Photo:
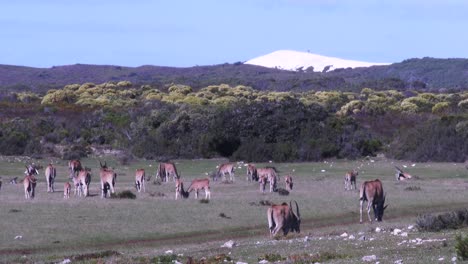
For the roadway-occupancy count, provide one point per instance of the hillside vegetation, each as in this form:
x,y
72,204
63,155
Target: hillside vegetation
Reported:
x,y
238,122
427,74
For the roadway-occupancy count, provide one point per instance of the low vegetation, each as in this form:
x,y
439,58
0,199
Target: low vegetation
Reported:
x,y
437,222
237,122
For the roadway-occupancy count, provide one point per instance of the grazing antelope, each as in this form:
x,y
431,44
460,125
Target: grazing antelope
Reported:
x,y
289,182
165,170
265,175
140,180
180,189
372,192
50,173
29,183
400,175
74,166
14,180
107,176
252,173
199,184
282,217
350,179
226,168
66,190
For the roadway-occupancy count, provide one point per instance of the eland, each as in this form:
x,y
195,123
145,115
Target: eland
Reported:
x,y
282,217
372,192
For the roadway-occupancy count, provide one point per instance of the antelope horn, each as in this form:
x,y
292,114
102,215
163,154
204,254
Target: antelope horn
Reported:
x,y
100,163
297,209
398,169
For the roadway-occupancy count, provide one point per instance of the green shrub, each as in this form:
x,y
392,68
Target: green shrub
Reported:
x,y
461,247
450,220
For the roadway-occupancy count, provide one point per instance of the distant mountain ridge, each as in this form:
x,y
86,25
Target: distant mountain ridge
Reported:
x,y
426,74
294,60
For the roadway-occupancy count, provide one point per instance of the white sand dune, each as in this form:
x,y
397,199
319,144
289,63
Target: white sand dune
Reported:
x,y
293,60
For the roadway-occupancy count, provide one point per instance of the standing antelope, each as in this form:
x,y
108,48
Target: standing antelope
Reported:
x,y
82,181
165,170
289,182
107,176
350,179
140,179
50,173
226,168
74,166
31,169
282,217
372,192
66,190
252,173
29,183
265,175
180,189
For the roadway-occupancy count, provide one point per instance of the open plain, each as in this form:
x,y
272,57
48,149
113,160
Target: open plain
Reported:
x,y
232,226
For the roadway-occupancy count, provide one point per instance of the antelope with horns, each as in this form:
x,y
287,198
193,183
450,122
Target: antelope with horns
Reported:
x,y
74,166
372,192
165,170
226,168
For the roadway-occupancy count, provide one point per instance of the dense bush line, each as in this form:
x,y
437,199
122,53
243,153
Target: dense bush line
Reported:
x,y
241,123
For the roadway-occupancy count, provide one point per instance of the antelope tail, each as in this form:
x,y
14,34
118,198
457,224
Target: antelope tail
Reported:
x,y
362,193
271,222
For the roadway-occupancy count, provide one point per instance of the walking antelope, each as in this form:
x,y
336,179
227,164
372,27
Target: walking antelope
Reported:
x,y
400,175
107,176
140,180
74,166
81,182
66,190
226,168
165,170
50,173
282,217
29,183
252,173
265,175
196,185
289,182
350,179
372,192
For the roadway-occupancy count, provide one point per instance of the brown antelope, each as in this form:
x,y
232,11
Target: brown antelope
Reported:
x,y
252,173
289,182
400,175
372,192
82,181
180,189
50,173
265,175
74,166
282,217
197,185
29,183
165,170
350,179
107,176
66,190
140,180
226,168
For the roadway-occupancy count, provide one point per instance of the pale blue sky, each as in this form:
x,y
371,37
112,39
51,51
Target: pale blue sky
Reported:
x,y
183,33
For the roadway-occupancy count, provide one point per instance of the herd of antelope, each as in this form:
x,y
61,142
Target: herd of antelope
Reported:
x,y
280,217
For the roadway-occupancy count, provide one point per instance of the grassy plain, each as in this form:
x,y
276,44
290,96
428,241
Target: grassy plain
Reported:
x,y
156,228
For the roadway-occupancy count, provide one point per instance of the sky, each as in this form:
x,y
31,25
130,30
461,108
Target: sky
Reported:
x,y
185,33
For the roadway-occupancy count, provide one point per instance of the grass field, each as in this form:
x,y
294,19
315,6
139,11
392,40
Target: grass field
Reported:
x,y
155,227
